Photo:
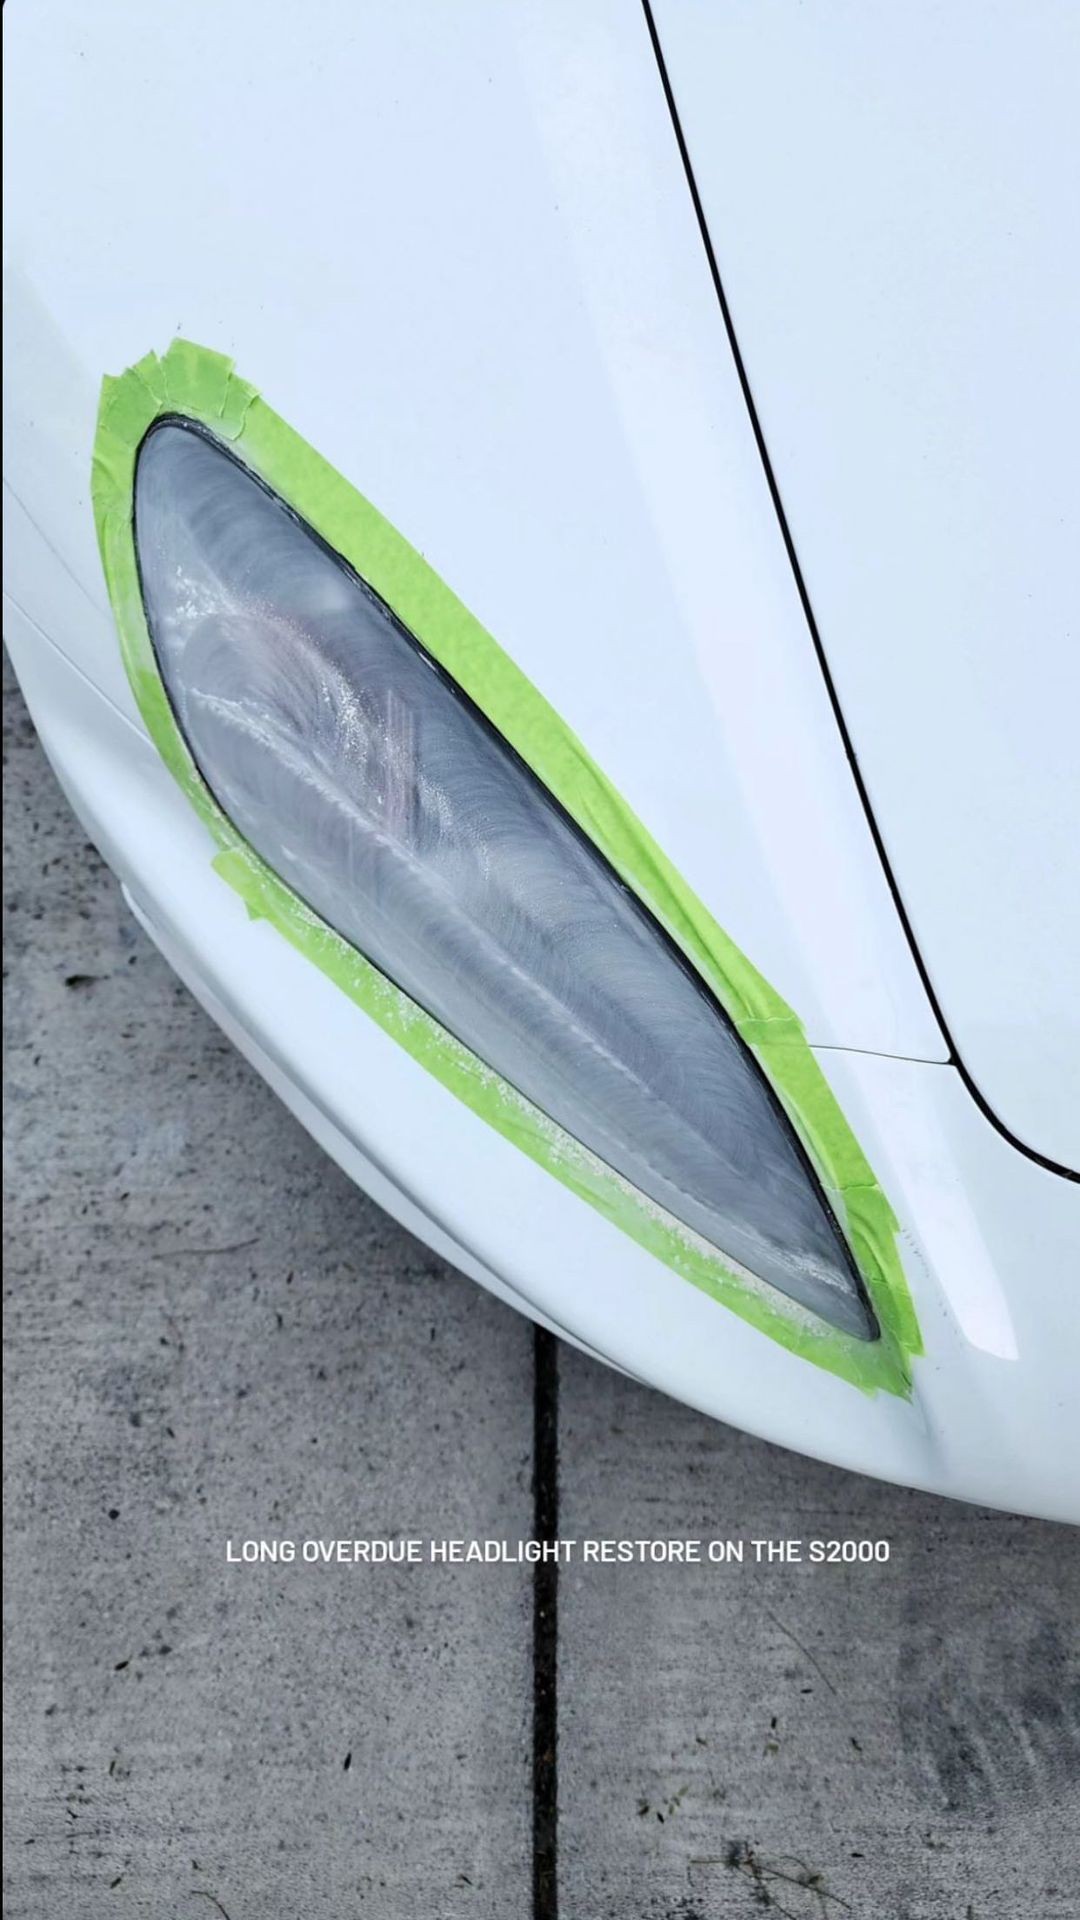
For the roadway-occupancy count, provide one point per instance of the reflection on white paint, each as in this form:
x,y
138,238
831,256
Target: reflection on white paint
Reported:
x,y
964,1271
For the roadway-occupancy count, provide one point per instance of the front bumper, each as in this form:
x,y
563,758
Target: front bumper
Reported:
x,y
990,1239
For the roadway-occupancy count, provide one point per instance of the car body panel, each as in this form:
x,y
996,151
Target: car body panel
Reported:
x,y
890,193
503,331
986,1235
556,426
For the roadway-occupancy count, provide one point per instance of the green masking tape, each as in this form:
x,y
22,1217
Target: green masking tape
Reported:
x,y
200,385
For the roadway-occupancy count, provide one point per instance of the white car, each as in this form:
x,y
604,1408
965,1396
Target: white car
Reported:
x,y
541,545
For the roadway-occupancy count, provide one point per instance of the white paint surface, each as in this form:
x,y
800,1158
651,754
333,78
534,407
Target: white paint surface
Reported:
x,y
891,194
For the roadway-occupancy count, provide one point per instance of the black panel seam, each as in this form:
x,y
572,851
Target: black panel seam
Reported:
x,y
1030,1153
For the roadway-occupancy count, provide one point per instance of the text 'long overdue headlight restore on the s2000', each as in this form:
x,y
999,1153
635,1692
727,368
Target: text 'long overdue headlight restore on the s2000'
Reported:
x,y
353,774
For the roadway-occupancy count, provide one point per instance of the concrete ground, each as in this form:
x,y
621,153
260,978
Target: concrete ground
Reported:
x,y
212,1335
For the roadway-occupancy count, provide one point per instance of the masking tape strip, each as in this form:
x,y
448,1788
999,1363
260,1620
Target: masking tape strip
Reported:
x,y
201,385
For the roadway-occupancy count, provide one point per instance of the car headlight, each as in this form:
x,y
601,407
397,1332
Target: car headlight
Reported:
x,y
368,781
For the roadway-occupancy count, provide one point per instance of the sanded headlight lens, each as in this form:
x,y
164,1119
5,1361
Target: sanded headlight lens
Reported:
x,y
375,789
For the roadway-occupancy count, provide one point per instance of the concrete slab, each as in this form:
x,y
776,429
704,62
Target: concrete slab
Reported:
x,y
900,1742
212,1335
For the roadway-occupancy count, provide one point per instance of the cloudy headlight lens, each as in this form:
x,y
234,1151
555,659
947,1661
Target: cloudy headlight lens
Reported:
x,y
374,788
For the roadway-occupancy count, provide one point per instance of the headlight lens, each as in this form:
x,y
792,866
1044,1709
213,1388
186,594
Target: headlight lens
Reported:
x,y
375,789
